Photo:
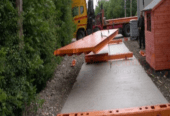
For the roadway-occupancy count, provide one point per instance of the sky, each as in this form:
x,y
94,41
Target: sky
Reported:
x,y
94,2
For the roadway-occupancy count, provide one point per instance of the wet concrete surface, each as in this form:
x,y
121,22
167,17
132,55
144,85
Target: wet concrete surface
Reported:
x,y
112,85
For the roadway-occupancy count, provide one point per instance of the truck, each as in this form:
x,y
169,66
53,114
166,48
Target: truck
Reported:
x,y
87,23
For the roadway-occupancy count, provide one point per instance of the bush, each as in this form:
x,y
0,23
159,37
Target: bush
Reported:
x,y
47,25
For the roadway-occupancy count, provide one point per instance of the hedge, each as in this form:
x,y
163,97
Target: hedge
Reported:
x,y
47,25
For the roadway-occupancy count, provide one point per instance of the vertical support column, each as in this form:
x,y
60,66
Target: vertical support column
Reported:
x,y
131,7
138,8
20,9
125,7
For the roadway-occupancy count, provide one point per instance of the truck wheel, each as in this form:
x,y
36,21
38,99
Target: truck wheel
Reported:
x,y
89,31
96,29
80,34
126,30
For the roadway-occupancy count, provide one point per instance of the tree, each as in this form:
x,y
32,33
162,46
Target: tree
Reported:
x,y
115,8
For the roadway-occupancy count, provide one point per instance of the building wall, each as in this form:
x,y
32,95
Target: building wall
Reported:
x,y
162,36
140,5
149,41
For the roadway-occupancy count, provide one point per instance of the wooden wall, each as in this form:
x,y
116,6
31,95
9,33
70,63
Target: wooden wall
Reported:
x,y
158,40
149,41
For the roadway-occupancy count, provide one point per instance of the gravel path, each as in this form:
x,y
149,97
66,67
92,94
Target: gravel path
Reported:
x,y
58,88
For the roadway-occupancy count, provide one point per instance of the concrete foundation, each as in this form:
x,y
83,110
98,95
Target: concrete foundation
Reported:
x,y
112,85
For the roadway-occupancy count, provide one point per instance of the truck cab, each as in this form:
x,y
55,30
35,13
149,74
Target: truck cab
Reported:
x,y
79,12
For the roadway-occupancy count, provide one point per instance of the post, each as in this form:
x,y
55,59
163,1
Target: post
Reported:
x,y
20,9
131,7
138,8
125,7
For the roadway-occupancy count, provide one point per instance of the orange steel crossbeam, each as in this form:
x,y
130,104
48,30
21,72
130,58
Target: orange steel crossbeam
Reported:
x,y
158,110
92,43
105,57
120,20
116,41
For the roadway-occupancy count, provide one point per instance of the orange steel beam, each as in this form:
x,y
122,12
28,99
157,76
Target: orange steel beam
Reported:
x,y
104,42
121,20
116,41
94,42
105,57
158,110
120,56
96,58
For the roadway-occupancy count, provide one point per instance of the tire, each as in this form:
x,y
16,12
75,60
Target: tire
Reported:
x,y
80,34
126,30
96,29
89,31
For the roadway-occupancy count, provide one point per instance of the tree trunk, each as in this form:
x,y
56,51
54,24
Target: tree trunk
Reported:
x,y
20,9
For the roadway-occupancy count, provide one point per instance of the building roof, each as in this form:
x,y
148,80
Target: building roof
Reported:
x,y
151,5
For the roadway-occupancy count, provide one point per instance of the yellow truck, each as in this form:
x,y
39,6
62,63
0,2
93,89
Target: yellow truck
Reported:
x,y
87,22
81,16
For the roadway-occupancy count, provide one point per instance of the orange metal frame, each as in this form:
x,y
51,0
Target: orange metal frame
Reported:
x,y
94,58
116,41
94,42
105,57
158,110
120,20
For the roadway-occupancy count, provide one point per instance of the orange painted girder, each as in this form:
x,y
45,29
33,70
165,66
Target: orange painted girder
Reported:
x,y
121,20
105,57
116,41
94,42
158,110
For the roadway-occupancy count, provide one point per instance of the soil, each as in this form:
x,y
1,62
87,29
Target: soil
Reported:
x,y
58,88
160,78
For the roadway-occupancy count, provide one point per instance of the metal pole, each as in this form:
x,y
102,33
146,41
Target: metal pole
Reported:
x,y
125,7
131,7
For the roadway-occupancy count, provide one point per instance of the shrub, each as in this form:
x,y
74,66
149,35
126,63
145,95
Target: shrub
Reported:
x,y
47,25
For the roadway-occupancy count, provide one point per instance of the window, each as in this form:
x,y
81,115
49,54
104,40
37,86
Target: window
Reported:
x,y
75,11
81,9
149,21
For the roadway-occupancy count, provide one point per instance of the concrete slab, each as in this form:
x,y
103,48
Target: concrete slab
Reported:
x,y
119,36
112,85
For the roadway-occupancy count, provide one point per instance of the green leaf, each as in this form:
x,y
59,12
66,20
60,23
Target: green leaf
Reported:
x,y
3,96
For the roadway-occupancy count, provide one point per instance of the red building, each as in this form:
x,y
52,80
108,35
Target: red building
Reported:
x,y
157,34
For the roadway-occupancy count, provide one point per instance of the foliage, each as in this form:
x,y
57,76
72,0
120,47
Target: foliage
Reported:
x,y
115,8
47,25
66,27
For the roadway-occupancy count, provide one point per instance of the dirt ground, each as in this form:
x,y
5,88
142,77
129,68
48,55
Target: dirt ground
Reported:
x,y
58,88
160,78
